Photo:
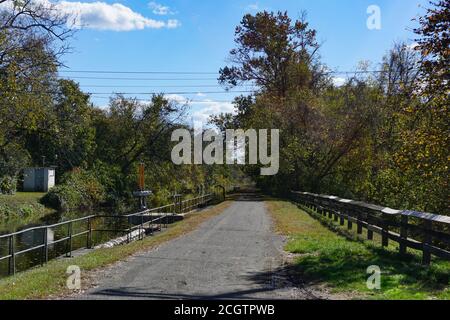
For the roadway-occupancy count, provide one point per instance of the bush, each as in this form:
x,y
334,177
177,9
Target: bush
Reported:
x,y
79,190
8,185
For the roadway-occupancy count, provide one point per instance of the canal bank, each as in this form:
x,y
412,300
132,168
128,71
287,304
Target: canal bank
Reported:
x,y
49,281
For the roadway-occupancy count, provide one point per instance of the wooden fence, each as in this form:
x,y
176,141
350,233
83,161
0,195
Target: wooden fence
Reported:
x,y
422,231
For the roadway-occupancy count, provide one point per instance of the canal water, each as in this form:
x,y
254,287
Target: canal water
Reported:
x,y
33,238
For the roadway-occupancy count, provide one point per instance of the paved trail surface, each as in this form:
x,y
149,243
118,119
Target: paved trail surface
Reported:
x,y
231,256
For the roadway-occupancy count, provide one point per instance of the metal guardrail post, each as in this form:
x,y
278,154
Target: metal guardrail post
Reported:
x,y
69,241
89,235
45,248
12,258
141,228
165,216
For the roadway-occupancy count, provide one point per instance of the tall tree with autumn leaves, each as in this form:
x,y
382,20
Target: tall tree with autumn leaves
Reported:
x,y
425,150
382,138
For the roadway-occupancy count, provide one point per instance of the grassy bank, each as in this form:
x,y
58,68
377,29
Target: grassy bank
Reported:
x,y
50,280
325,257
21,209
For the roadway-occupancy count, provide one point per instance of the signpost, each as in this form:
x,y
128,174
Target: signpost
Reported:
x,y
142,194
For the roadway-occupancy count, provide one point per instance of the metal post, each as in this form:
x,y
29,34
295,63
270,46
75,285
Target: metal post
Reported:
x,y
12,258
89,236
141,228
69,241
165,217
45,248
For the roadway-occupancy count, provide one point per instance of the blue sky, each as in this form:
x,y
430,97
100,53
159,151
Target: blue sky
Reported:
x,y
182,35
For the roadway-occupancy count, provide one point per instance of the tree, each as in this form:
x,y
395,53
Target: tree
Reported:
x,y
130,129
271,52
24,20
68,138
24,97
425,138
33,36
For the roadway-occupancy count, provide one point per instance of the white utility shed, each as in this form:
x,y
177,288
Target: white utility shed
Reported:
x,y
38,179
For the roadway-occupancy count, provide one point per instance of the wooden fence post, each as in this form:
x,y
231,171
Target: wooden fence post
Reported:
x,y
403,234
428,239
349,223
384,231
359,222
341,218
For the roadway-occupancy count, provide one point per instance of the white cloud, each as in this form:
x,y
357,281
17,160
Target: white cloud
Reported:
x,y
412,46
209,107
177,98
173,23
203,109
104,16
338,81
253,7
160,9
116,17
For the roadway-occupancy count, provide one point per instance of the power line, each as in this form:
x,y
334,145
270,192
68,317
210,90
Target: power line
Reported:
x,y
136,72
140,79
138,93
186,100
367,71
165,93
152,86
211,73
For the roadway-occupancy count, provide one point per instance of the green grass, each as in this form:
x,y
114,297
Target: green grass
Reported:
x,y
20,209
50,280
21,198
326,257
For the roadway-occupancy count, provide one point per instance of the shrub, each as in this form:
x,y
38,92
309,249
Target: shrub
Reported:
x,y
8,185
79,190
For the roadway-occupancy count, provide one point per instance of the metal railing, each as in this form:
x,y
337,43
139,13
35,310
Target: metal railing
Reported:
x,y
431,232
153,218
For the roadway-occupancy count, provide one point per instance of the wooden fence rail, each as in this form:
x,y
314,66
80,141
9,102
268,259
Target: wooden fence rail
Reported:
x,y
422,231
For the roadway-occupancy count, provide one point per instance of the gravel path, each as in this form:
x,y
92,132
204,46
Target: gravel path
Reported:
x,y
234,255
